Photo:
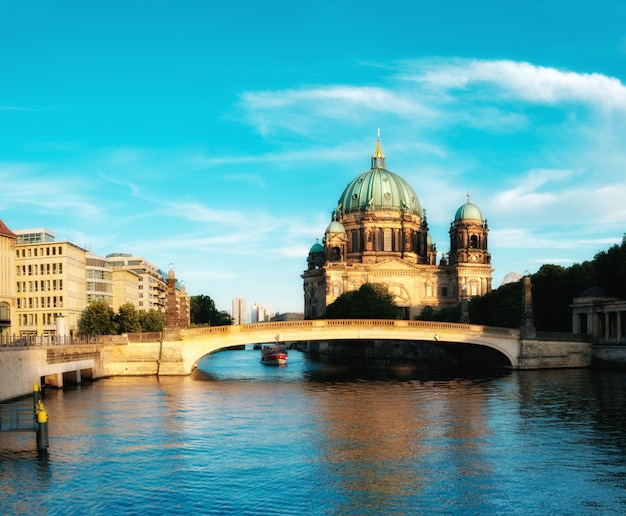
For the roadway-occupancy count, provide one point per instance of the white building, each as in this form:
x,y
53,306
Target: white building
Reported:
x,y
259,313
239,310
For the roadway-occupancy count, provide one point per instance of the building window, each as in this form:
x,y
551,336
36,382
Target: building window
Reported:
x,y
388,242
5,312
355,241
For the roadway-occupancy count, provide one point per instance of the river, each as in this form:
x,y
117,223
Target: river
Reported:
x,y
238,437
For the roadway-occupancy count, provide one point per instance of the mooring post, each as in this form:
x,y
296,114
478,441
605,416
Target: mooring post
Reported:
x,y
41,419
42,427
36,394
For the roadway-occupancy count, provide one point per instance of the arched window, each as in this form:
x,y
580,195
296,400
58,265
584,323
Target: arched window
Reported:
x,y
5,312
474,241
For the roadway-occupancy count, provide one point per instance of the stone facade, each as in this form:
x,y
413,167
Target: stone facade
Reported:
x,y
7,283
601,317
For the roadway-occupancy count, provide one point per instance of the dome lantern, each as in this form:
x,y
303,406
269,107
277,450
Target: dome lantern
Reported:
x,y
378,159
378,189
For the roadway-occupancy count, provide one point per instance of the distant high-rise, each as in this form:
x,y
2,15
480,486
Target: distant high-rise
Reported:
x,y
239,310
259,313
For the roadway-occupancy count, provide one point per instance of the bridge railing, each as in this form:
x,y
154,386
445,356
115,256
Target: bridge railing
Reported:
x,y
13,342
366,323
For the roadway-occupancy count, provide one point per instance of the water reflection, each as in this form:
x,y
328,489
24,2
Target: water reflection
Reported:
x,y
329,439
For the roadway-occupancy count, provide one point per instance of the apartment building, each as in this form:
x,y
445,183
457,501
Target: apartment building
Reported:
x,y
99,280
125,288
152,282
7,283
259,313
45,285
50,282
239,310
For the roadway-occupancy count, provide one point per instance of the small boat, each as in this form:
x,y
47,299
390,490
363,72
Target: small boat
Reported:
x,y
274,354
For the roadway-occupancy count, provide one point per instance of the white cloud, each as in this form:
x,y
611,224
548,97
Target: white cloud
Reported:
x,y
525,81
336,100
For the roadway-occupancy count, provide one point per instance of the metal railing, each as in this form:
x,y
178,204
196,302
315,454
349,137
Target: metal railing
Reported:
x,y
17,418
29,341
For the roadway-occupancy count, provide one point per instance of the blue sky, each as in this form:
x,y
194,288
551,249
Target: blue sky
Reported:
x,y
218,136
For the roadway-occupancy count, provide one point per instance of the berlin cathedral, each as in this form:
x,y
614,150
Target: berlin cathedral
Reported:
x,y
379,234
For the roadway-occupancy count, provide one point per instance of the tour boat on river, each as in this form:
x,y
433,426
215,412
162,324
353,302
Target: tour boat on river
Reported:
x,y
274,354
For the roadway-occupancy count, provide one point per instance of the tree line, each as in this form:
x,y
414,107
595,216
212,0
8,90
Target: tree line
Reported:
x,y
553,289
100,319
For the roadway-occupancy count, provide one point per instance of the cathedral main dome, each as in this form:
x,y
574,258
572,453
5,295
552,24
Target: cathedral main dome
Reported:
x,y
379,189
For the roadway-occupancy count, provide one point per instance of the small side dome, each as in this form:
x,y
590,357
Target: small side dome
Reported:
x,y
336,227
594,291
468,211
316,248
511,277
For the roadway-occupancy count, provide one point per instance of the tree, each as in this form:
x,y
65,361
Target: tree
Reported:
x,y
97,319
500,307
445,314
371,301
202,310
127,319
610,270
554,287
152,320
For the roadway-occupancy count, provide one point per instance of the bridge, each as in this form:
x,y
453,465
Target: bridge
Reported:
x,y
501,346
178,351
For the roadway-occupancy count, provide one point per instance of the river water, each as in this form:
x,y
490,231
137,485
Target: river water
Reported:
x,y
238,437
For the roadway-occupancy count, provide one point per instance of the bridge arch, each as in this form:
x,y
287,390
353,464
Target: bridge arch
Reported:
x,y
459,338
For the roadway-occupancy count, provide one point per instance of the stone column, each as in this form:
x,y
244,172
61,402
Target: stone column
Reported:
x,y
183,320
171,308
464,305
527,324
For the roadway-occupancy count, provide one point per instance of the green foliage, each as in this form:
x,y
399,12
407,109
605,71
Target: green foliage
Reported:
x,y
610,270
127,319
554,288
371,301
98,319
446,314
203,311
501,307
152,320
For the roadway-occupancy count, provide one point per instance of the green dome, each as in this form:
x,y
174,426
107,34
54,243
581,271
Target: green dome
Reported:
x,y
316,248
335,227
379,189
468,211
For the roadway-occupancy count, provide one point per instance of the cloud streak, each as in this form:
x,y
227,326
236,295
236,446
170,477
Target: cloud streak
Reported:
x,y
525,81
